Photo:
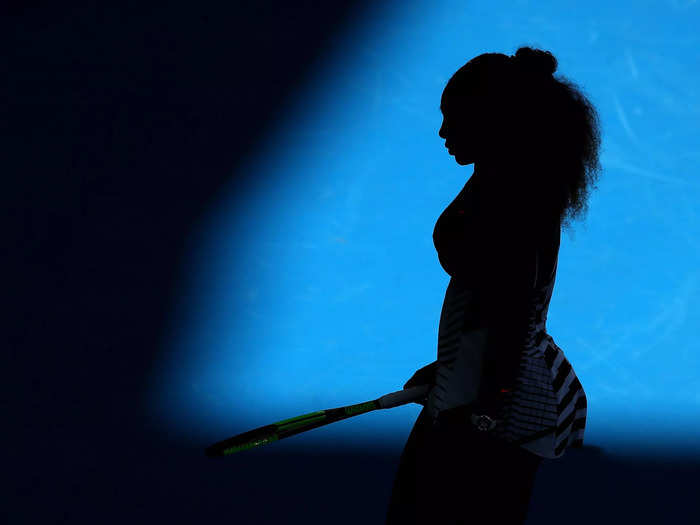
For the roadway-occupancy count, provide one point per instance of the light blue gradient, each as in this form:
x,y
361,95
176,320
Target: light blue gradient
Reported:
x,y
318,285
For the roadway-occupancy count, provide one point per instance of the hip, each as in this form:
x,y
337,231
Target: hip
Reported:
x,y
459,431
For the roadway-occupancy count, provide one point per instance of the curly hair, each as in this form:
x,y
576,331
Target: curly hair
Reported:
x,y
529,116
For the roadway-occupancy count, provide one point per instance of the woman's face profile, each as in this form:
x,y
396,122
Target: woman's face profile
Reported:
x,y
459,129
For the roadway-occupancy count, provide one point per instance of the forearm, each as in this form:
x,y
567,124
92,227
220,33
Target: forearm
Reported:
x,y
502,357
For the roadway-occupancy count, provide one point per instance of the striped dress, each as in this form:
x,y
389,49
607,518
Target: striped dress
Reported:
x,y
545,412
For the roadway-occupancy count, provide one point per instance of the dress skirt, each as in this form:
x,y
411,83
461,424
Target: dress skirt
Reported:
x,y
451,473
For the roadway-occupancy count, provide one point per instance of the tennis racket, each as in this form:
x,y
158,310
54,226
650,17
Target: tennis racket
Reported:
x,y
289,427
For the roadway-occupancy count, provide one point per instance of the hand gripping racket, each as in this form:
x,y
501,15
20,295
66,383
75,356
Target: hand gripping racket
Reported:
x,y
288,427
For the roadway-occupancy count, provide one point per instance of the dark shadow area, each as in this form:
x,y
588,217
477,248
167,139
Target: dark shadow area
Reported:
x,y
161,482
121,122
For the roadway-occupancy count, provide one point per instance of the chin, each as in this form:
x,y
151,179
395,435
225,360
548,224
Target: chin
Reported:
x,y
462,159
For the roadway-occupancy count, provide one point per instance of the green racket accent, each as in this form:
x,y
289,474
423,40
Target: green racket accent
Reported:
x,y
301,421
250,444
360,408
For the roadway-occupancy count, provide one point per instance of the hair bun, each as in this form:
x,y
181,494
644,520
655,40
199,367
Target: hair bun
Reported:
x,y
536,61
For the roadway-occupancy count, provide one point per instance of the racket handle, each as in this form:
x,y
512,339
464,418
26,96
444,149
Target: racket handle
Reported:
x,y
402,397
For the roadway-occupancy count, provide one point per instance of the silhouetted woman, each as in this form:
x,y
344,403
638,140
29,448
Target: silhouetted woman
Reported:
x,y
503,394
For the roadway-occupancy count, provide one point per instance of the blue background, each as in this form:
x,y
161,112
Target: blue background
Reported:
x,y
224,218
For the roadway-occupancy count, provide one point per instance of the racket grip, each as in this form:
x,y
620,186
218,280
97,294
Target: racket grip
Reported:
x,y
402,397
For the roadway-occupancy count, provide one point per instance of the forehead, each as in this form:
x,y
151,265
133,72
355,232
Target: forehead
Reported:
x,y
459,90
451,101
448,99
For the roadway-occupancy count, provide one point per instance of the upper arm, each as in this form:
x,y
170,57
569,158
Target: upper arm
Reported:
x,y
505,263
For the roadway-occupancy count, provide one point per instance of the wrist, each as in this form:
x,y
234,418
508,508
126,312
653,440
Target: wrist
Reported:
x,y
483,422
